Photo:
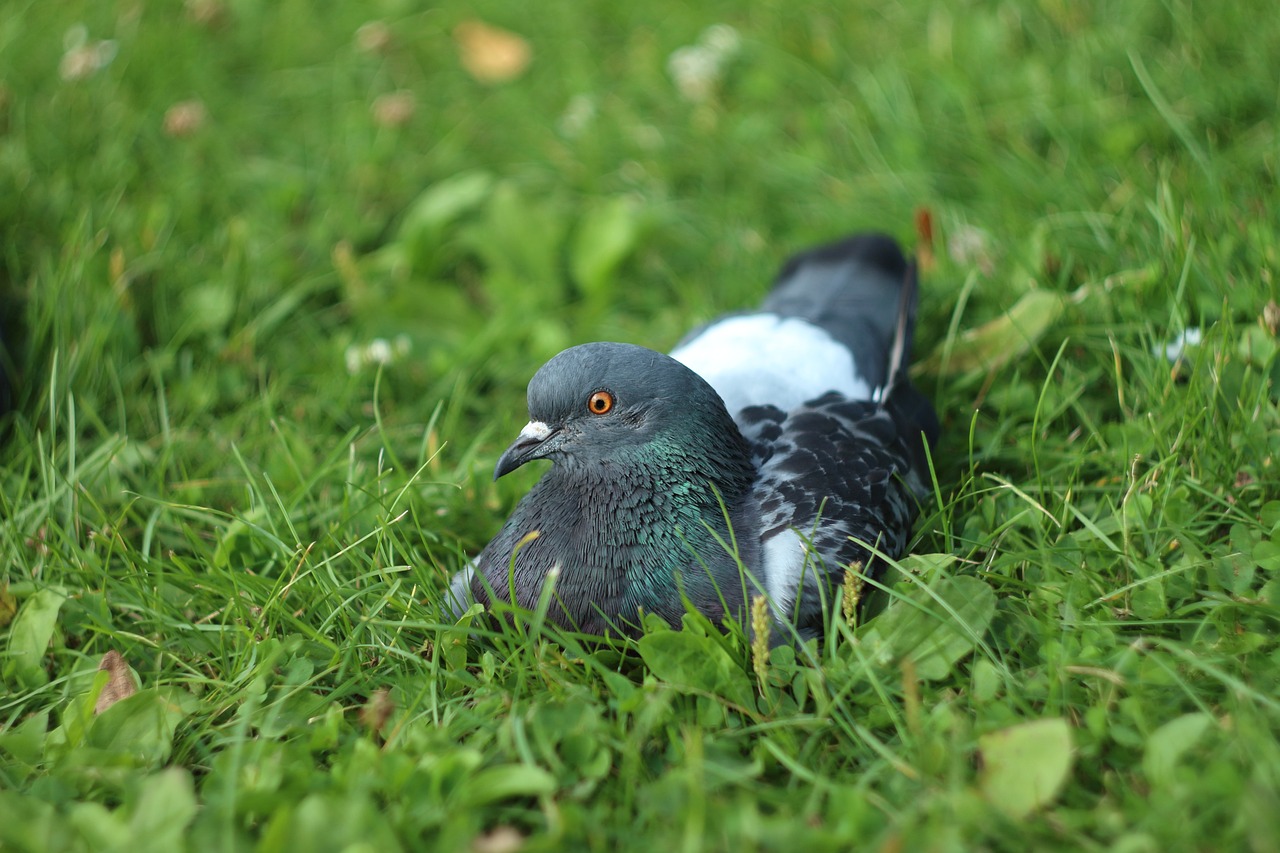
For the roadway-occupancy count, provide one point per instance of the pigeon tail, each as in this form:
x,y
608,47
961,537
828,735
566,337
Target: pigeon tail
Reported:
x,y
862,291
903,400
903,333
851,289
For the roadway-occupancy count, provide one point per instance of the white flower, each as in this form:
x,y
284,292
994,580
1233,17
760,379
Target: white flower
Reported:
x,y
378,351
1173,350
697,69
970,246
355,360
722,39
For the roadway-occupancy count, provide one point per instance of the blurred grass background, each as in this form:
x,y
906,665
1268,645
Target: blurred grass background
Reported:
x,y
273,279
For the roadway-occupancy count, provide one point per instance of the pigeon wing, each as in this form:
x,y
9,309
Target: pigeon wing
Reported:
x,y
836,476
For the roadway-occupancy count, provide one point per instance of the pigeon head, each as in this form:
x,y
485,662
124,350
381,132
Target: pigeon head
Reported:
x,y
610,402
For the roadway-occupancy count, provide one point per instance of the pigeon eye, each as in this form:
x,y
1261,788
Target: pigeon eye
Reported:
x,y
600,403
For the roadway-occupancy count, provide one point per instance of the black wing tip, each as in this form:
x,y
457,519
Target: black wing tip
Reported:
x,y
899,393
863,289
874,248
867,299
904,329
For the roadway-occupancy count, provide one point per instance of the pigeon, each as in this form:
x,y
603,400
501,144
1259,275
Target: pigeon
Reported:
x,y
766,455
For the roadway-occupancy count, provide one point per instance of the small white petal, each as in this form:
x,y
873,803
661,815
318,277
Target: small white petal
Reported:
x,y
695,71
378,351
722,39
1174,349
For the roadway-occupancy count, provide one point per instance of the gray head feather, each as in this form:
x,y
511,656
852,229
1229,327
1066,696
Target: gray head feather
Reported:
x,y
652,398
632,513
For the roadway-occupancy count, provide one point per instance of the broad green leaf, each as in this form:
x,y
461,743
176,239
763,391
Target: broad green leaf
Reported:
x,y
435,209
101,827
451,770
141,726
1270,515
290,711
331,821
165,805
27,823
1148,599
453,641
210,306
1025,766
520,239
29,637
1267,555
934,625
1167,744
24,743
326,729
238,535
1257,346
606,235
445,201
998,342
694,663
1271,592
500,783
153,819
986,682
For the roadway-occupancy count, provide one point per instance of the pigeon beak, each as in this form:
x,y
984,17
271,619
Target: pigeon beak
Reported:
x,y
527,447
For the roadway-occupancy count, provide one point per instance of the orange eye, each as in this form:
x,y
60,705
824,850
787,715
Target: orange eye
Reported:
x,y
600,403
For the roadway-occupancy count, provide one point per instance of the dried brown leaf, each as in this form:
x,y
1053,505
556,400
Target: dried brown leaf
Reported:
x,y
377,710
924,240
1271,318
211,14
490,54
120,683
185,118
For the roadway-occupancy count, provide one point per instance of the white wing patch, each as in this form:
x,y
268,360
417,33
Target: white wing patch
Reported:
x,y
764,359
784,566
458,598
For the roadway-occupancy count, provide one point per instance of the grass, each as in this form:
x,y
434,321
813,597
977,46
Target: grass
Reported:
x,y
1083,654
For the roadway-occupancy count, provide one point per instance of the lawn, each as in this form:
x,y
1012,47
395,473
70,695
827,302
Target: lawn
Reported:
x,y
273,277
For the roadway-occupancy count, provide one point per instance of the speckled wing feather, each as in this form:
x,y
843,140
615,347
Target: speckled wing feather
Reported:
x,y
841,471
834,473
